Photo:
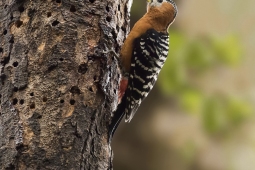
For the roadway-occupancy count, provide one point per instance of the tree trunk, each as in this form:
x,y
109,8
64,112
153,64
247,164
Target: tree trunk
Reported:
x,y
58,86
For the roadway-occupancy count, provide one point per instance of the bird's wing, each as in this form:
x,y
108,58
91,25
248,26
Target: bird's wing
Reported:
x,y
149,55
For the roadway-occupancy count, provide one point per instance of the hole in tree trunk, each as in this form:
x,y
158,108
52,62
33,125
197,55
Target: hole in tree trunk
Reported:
x,y
21,101
14,101
72,8
32,105
108,18
15,64
18,23
54,23
21,9
44,99
72,101
75,90
48,14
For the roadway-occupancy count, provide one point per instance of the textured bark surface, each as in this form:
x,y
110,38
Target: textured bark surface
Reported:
x,y
57,85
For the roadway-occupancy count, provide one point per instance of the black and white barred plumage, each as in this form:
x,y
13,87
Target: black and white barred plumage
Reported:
x,y
149,55
142,55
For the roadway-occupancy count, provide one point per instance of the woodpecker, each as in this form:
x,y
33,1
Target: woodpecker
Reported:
x,y
142,56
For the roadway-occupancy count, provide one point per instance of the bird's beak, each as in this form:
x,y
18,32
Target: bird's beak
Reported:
x,y
148,0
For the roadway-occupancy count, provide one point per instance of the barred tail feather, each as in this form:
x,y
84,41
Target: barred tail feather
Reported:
x,y
129,116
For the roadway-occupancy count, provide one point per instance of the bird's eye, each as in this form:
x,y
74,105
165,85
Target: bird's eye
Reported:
x,y
160,1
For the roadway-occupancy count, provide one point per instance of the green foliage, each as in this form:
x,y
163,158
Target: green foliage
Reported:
x,y
191,59
192,101
224,113
199,56
227,50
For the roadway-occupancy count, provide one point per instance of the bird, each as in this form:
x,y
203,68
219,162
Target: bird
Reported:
x,y
142,56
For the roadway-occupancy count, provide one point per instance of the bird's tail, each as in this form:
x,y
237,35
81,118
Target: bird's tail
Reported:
x,y
117,117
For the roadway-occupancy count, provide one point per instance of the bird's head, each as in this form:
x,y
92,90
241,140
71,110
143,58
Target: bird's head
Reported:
x,y
163,11
158,3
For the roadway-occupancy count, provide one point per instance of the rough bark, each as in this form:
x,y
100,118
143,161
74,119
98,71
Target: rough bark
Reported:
x,y
57,85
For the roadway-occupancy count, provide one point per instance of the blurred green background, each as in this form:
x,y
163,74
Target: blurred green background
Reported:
x,y
200,114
